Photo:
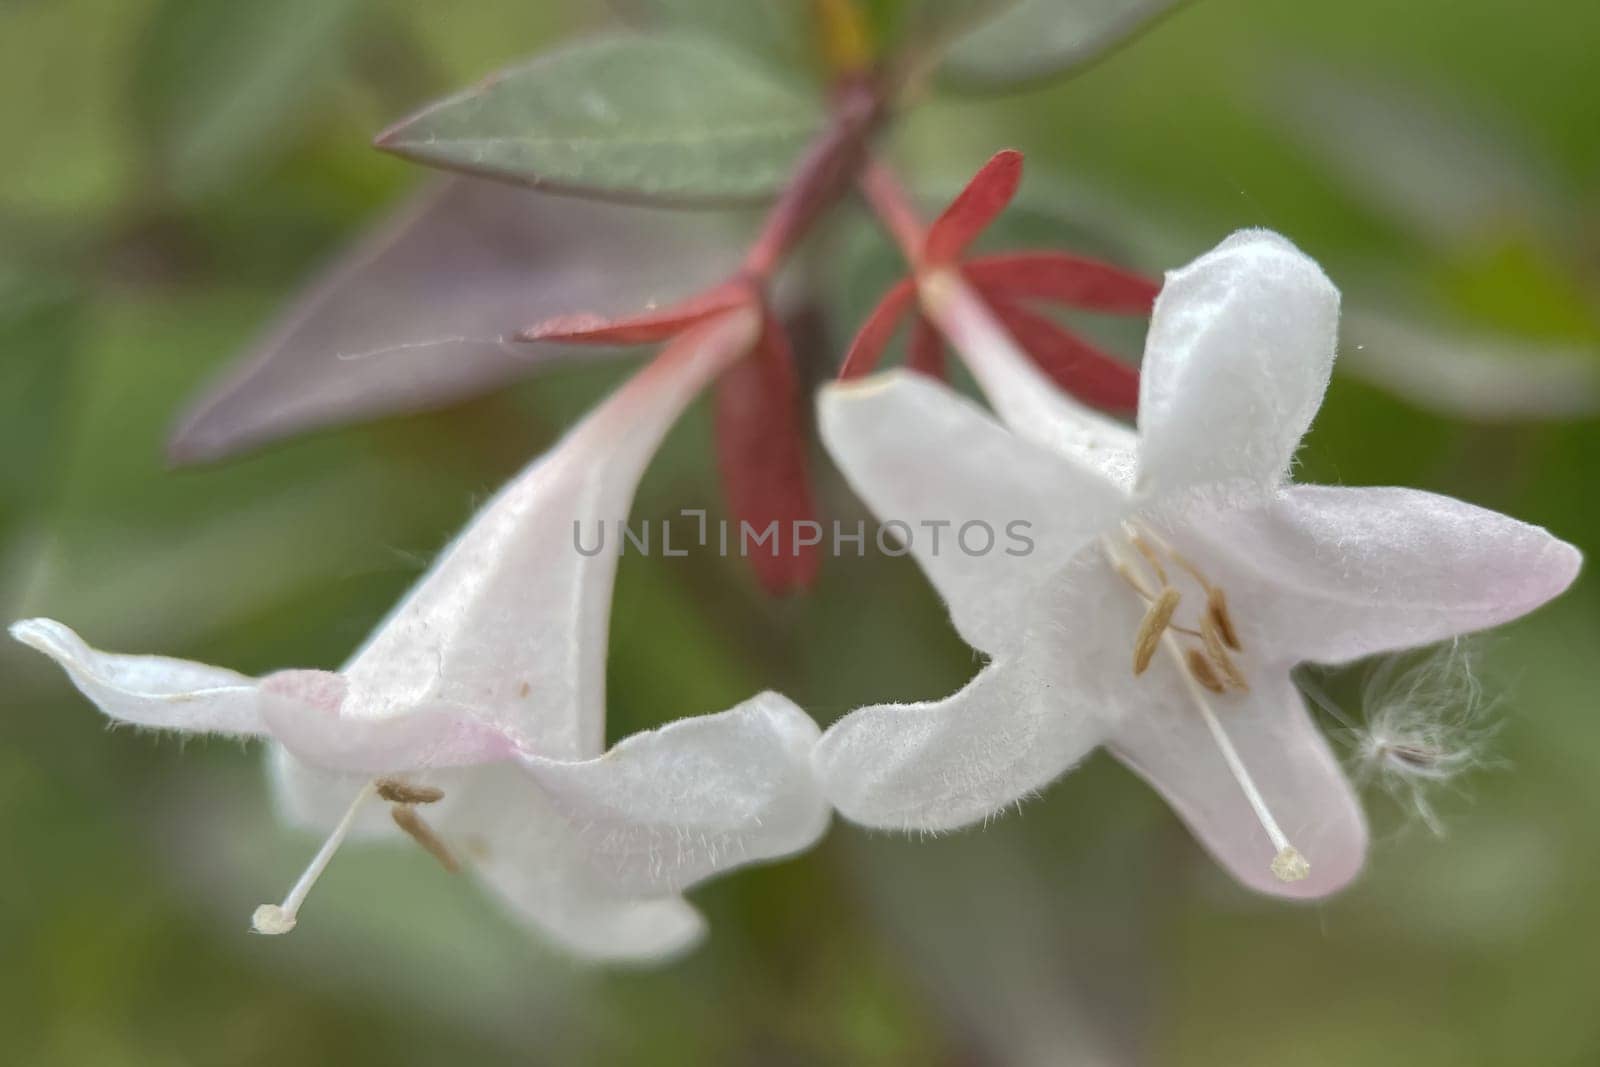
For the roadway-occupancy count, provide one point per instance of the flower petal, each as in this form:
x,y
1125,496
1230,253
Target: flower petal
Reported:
x,y
1332,574
942,765
307,712
529,856
988,514
154,691
511,621
670,807
1236,361
1165,739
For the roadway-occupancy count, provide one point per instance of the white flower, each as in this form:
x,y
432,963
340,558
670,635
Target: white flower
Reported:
x,y
477,710
1176,575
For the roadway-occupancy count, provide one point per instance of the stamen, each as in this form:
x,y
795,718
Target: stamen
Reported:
x,y
1288,865
1152,627
1217,612
1204,672
407,819
397,792
1136,536
274,919
1217,652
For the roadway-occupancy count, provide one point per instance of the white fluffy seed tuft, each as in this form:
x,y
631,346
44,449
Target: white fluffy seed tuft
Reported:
x,y
1422,724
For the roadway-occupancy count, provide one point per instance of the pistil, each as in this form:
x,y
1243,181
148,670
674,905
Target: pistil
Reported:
x,y
273,919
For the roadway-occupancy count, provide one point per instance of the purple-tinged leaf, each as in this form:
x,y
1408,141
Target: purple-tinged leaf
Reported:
x,y
420,313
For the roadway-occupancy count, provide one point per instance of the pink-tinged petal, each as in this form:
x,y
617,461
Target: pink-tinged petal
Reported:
x,y
989,515
925,355
1062,278
306,711
974,208
529,857
1093,376
420,313
153,691
644,327
1332,574
945,764
668,808
1024,398
1236,361
511,620
867,347
1163,737
761,454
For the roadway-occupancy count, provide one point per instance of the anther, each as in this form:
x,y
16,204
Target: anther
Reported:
x,y
1152,627
1202,670
397,792
1217,612
1146,550
407,819
1217,652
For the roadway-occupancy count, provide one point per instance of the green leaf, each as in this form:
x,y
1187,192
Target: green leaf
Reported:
x,y
215,85
665,119
1038,39
780,33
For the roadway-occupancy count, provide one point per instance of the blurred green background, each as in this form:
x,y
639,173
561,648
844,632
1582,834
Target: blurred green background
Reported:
x,y
171,172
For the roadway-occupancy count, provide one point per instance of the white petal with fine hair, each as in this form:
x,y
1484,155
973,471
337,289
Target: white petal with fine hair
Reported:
x,y
153,691
945,764
530,858
1164,738
919,453
669,807
1333,574
512,619
1237,359
309,714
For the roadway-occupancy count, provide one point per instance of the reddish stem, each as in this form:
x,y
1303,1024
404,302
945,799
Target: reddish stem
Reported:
x,y
823,175
889,199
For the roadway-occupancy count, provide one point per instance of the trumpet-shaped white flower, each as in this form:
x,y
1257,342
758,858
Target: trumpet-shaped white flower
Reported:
x,y
477,710
1176,575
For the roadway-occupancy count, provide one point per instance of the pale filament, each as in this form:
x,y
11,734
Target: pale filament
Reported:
x,y
1288,865
273,919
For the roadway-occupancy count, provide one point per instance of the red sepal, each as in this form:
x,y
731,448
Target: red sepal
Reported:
x,y
1066,279
971,212
926,354
867,347
1093,376
761,452
657,325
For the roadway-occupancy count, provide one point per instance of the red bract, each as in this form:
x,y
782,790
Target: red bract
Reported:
x,y
1010,284
760,435
761,452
